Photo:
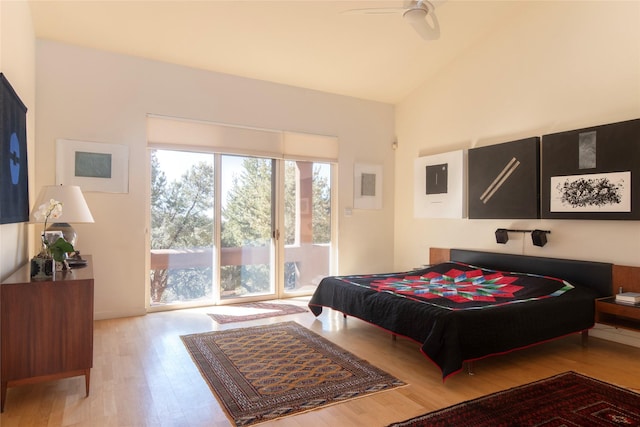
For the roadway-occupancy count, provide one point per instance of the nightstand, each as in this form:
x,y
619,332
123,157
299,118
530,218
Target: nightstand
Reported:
x,y
610,312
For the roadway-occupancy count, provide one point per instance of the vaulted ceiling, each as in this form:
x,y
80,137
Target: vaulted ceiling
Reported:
x,y
314,44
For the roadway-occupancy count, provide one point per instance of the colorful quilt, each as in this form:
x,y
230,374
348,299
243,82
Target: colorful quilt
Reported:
x,y
458,286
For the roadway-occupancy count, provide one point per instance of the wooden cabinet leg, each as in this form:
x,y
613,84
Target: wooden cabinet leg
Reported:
x,y
3,395
87,380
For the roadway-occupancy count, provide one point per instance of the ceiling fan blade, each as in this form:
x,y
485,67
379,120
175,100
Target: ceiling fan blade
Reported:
x,y
374,11
419,13
423,20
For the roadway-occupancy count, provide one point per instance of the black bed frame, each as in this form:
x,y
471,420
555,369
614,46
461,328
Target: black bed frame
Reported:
x,y
595,275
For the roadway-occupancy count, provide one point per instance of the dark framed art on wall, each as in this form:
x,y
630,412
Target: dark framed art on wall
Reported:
x,y
504,180
592,173
14,186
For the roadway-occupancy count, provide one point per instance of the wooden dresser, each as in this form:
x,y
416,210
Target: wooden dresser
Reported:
x,y
46,327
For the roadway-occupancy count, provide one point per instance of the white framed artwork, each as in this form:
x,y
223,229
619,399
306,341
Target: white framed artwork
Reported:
x,y
367,186
93,166
439,186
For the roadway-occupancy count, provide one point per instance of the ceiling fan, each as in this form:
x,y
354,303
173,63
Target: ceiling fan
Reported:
x,y
420,14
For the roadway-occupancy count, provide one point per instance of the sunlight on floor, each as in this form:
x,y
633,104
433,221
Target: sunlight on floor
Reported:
x,y
243,308
234,310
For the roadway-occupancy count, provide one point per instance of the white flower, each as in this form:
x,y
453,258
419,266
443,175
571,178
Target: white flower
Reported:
x,y
51,210
55,209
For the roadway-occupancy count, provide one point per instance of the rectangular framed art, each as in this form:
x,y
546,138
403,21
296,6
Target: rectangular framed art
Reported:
x,y
504,180
367,186
439,185
14,185
93,166
592,173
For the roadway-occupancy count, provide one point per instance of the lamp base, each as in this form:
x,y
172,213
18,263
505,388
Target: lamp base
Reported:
x,y
67,230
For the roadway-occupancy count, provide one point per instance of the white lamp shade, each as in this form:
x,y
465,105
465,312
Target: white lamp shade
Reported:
x,y
74,206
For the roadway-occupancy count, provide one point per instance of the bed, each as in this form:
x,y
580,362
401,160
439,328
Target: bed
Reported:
x,y
475,304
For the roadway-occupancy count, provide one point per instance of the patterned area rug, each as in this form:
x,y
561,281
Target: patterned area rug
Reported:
x,y
266,372
252,311
567,399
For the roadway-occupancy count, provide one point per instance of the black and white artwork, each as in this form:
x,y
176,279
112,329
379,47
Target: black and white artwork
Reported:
x,y
504,180
439,185
437,179
14,185
592,173
598,192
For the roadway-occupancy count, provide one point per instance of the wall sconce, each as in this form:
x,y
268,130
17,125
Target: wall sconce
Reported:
x,y
538,237
502,235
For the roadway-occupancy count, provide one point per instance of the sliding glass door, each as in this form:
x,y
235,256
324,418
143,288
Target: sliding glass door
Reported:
x,y
182,227
231,227
247,227
307,225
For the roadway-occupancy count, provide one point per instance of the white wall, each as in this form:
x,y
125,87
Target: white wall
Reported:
x,y
556,66
91,95
17,63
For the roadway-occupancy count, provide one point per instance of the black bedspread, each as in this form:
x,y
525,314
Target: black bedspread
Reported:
x,y
459,320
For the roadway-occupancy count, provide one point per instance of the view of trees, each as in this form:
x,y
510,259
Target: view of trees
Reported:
x,y
182,219
246,222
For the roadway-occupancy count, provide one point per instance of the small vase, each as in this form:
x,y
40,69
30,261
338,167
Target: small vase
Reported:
x,y
42,268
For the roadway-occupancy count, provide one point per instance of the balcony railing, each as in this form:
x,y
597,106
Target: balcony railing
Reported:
x,y
312,260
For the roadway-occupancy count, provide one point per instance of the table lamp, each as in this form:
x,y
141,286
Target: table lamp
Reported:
x,y
74,209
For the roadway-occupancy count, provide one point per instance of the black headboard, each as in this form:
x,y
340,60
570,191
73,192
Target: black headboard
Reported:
x,y
596,275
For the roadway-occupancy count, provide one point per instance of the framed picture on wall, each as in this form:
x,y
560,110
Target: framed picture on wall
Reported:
x,y
14,185
439,185
592,173
93,166
504,180
367,186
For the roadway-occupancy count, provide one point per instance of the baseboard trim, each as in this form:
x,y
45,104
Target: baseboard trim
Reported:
x,y
104,315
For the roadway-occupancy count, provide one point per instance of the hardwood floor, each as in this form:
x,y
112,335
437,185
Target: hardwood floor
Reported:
x,y
143,376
